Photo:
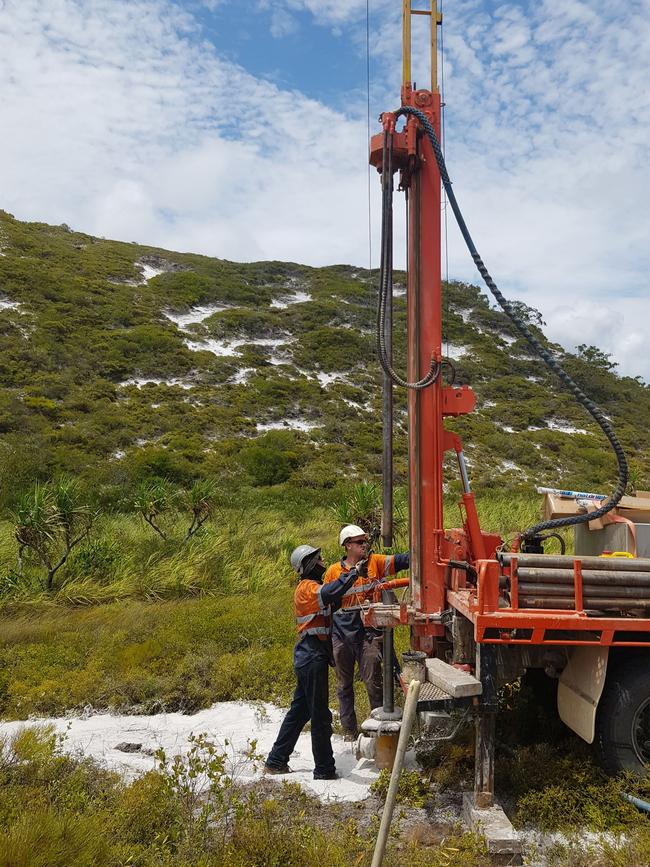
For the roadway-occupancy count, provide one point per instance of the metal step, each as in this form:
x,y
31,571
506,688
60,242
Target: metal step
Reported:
x,y
452,681
431,692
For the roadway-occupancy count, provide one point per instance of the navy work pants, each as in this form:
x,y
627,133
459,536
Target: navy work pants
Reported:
x,y
366,652
310,704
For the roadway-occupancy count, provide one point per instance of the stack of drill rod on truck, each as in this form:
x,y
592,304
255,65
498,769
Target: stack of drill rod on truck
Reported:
x,y
613,584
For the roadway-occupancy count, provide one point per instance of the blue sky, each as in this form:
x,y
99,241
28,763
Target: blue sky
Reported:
x,y
291,49
238,129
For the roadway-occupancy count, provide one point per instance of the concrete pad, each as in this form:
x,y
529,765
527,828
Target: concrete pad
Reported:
x,y
503,843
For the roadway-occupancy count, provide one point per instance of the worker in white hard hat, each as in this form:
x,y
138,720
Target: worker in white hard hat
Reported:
x,y
353,643
313,604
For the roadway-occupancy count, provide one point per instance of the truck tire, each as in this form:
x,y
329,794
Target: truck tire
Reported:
x,y
623,719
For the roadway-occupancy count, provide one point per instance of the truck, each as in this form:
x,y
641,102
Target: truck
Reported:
x,y
482,612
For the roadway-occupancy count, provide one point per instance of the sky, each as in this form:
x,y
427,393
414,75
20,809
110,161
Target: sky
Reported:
x,y
239,129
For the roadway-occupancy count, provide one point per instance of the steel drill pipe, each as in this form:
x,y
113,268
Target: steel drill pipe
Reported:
x,y
555,602
599,564
589,576
528,589
563,578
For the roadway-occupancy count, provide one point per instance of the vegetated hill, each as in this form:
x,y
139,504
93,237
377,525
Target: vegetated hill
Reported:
x,y
119,362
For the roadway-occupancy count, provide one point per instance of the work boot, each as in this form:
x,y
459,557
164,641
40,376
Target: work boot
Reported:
x,y
282,769
330,775
350,736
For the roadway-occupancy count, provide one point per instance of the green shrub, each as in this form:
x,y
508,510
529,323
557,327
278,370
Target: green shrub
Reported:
x,y
412,790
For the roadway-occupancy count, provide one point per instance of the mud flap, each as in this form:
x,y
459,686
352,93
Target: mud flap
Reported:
x,y
579,690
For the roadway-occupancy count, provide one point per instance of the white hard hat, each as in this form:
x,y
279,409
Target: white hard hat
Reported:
x,y
349,532
300,554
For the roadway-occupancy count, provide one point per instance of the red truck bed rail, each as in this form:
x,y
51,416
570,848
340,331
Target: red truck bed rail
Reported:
x,y
542,599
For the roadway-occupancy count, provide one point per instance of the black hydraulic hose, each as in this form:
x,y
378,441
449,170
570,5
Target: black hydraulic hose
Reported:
x,y
544,354
386,274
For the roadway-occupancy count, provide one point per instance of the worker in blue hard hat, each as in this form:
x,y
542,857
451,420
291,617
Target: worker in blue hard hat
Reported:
x,y
313,605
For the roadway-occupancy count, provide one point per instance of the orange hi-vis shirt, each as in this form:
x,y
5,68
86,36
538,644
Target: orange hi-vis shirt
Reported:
x,y
312,616
379,566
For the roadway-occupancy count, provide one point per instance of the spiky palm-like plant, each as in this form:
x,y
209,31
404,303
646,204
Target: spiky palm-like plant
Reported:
x,y
361,505
200,500
152,500
49,521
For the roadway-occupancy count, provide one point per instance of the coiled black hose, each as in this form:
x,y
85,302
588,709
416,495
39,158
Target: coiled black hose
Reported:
x,y
521,326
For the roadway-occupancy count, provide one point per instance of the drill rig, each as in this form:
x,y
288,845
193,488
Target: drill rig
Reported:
x,y
481,612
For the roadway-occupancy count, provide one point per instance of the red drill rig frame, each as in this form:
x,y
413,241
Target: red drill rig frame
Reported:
x,y
461,573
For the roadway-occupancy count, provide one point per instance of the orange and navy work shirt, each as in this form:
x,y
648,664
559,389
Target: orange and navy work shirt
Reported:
x,y
313,616
313,605
348,625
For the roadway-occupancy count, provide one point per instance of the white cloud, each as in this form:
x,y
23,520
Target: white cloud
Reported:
x,y
124,123
282,23
329,11
128,128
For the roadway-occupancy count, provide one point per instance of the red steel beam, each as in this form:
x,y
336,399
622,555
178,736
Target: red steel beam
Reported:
x,y
424,333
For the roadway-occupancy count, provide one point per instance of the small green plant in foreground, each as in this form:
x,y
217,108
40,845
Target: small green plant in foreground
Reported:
x,y
413,790
58,811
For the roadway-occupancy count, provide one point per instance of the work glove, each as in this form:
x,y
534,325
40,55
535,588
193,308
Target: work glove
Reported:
x,y
362,568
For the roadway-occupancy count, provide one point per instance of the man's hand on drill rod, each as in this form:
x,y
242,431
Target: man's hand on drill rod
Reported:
x,y
362,568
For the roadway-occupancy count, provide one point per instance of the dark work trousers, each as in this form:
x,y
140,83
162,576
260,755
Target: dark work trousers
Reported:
x,y
366,652
310,704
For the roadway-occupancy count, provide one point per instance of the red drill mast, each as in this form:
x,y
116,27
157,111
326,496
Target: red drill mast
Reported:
x,y
472,600
412,155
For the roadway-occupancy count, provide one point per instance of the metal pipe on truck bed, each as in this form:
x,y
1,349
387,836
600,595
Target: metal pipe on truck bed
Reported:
x,y
591,604
527,589
600,564
589,576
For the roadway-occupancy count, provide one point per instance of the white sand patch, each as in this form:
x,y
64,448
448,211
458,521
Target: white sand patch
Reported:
x,y
507,428
216,347
326,379
488,403
454,351
285,300
232,347
287,424
139,381
399,292
241,375
323,378
527,356
462,312
148,272
236,722
509,465
118,455
193,316
5,304
564,426
507,338
353,404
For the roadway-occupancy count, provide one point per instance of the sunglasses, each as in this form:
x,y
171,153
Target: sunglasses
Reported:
x,y
359,542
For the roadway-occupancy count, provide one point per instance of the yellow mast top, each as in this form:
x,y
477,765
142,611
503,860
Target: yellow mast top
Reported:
x,y
436,19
